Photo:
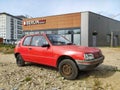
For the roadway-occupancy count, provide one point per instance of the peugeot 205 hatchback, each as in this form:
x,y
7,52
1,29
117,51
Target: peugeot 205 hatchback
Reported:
x,y
55,50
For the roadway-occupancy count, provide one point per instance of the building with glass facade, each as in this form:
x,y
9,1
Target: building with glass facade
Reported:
x,y
81,28
10,27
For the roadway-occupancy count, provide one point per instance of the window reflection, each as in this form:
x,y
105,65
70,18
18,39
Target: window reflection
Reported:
x,y
65,32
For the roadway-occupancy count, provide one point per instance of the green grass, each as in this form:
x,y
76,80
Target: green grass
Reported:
x,y
116,70
7,46
7,49
27,79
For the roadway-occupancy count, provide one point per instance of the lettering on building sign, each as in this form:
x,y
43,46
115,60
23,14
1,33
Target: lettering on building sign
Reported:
x,y
26,23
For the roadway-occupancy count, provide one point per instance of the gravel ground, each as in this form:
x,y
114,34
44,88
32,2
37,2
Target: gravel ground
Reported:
x,y
39,77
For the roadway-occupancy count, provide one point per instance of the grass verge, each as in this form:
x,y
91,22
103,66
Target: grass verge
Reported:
x,y
7,49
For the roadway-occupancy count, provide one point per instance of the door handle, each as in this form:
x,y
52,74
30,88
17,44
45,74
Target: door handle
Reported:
x,y
30,48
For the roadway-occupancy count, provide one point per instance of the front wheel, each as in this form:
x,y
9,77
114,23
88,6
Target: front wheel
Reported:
x,y
19,60
68,69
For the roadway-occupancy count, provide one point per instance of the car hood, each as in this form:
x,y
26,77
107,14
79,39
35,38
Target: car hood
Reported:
x,y
76,48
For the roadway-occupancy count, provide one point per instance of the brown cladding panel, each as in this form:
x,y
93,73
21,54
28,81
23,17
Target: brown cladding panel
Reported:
x,y
56,22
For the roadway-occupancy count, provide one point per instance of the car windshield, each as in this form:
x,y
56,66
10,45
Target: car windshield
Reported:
x,y
58,40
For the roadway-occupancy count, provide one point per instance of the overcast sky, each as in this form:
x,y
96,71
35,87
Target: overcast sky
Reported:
x,y
39,8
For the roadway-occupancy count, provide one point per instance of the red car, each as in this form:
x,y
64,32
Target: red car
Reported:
x,y
55,50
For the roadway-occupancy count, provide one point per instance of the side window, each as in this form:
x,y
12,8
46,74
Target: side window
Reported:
x,y
35,41
38,41
27,41
43,41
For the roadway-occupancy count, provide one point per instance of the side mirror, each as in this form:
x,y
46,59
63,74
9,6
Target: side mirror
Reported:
x,y
45,45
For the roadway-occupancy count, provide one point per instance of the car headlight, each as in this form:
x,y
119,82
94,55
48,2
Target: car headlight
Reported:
x,y
88,56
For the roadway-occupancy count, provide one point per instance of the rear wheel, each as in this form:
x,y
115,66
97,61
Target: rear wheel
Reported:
x,y
19,60
68,69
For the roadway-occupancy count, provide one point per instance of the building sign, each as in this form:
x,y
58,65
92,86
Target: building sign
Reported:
x,y
33,22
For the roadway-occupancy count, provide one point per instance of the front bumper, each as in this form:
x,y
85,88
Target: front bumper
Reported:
x,y
89,65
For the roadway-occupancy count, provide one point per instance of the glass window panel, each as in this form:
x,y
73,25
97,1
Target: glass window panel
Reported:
x,y
38,41
27,41
77,39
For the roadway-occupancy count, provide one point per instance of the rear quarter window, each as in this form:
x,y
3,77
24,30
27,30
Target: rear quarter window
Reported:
x,y
27,41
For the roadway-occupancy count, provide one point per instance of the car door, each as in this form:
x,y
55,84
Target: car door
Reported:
x,y
24,49
38,52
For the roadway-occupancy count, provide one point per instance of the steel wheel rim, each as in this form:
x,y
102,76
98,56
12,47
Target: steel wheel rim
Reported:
x,y
67,69
19,60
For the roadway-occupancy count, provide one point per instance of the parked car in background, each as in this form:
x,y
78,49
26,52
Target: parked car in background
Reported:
x,y
56,51
1,40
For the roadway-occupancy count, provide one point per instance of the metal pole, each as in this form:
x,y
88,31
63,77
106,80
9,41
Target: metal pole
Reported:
x,y
111,39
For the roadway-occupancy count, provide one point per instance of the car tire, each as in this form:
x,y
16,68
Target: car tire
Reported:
x,y
68,69
19,60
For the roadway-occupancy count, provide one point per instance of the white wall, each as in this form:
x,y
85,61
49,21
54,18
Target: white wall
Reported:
x,y
8,27
84,28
